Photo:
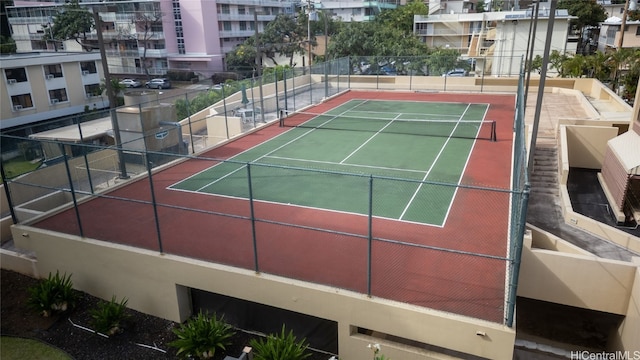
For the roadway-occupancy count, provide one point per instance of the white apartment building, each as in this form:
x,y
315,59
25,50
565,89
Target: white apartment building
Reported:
x,y
496,40
42,86
355,10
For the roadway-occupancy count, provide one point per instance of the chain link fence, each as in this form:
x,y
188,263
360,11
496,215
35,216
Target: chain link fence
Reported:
x,y
359,248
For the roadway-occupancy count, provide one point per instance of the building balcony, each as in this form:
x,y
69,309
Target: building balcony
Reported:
x,y
153,53
262,3
237,33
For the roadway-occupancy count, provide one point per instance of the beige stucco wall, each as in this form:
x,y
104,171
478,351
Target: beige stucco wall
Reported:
x,y
584,281
586,145
583,146
629,331
155,284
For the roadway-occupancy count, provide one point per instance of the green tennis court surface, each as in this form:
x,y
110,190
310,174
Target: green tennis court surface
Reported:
x,y
406,156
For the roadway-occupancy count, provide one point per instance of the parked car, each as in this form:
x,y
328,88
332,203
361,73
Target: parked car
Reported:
x,y
160,83
456,73
130,83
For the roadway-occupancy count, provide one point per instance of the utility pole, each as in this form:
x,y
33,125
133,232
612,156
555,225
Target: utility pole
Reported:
x,y
258,65
309,30
623,24
112,97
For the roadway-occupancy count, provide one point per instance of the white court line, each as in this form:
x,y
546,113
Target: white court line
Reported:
x,y
486,110
422,115
369,139
347,164
432,165
333,117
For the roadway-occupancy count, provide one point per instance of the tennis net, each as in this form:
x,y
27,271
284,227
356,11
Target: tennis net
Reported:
x,y
393,124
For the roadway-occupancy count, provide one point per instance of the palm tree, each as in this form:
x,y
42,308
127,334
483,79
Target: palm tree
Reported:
x,y
618,60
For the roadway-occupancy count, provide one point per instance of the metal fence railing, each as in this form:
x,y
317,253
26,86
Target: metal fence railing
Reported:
x,y
157,130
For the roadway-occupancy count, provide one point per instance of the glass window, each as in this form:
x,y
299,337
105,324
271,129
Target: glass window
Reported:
x,y
58,95
225,9
243,25
88,67
16,75
92,90
638,30
21,101
241,10
54,70
226,25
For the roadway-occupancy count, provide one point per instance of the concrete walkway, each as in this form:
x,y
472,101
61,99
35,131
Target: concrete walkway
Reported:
x,y
544,209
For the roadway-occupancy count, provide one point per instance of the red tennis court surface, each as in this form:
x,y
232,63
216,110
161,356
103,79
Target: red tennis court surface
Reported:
x,y
219,229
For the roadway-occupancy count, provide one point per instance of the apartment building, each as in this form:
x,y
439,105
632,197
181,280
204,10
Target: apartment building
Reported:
x,y
41,86
153,36
496,40
356,10
611,36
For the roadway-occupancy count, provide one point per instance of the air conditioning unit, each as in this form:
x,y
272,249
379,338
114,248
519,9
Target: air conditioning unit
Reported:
x,y
17,107
85,72
54,101
11,81
50,76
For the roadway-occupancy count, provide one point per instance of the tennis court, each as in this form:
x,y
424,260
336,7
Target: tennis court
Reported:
x,y
416,151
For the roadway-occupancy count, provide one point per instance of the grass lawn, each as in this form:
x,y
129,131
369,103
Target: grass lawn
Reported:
x,y
13,168
12,348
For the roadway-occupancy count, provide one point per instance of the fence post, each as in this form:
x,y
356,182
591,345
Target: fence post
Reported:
x,y
84,155
517,255
153,203
370,235
71,188
253,221
7,193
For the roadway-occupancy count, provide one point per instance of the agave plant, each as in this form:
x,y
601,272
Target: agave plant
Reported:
x,y
283,346
201,336
52,295
108,317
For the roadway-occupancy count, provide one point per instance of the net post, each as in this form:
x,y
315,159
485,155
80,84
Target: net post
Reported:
x,y
494,137
281,118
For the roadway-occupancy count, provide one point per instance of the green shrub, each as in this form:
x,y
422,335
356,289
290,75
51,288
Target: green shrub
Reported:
x,y
201,336
109,316
52,295
282,346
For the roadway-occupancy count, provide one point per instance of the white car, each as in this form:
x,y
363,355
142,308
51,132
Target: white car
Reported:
x,y
130,83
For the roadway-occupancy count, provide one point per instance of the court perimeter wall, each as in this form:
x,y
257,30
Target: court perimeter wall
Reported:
x,y
558,272
158,285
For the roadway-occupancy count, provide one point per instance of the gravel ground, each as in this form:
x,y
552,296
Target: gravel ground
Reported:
x,y
18,320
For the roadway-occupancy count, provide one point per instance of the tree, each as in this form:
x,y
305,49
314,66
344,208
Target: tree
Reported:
x,y
589,13
618,60
597,66
7,45
242,59
442,59
402,16
481,6
72,23
282,36
145,22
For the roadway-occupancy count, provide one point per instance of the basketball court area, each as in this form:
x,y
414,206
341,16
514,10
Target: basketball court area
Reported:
x,y
399,195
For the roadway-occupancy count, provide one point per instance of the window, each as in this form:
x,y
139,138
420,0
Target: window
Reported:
x,y
241,10
158,46
88,67
252,25
225,9
357,11
92,90
226,25
243,25
52,71
156,27
58,95
15,75
22,101
638,30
